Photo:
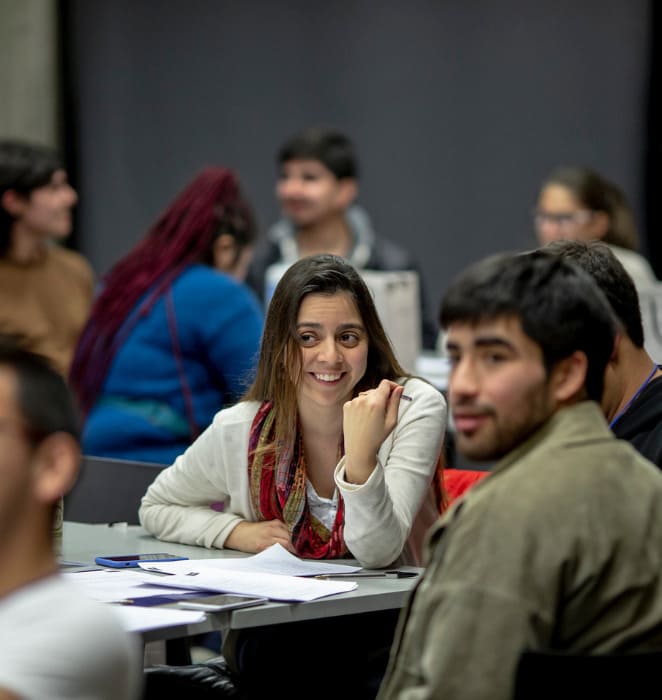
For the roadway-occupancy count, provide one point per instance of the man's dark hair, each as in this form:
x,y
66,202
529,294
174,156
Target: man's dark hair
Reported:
x,y
23,167
558,305
330,147
606,269
44,400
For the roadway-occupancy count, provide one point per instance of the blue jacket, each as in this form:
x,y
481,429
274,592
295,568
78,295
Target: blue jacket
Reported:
x,y
141,412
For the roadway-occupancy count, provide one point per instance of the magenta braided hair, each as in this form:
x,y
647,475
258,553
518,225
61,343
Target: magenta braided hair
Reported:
x,y
181,236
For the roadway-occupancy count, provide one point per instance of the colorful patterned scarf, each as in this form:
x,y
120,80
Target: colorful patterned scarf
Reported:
x,y
277,481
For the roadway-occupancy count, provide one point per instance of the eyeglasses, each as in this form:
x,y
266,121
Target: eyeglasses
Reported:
x,y
564,220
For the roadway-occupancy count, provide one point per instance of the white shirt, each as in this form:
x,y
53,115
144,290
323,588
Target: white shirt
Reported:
x,y
379,514
56,643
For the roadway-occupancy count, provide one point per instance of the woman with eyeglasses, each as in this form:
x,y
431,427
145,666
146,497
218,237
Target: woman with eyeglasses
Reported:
x,y
577,203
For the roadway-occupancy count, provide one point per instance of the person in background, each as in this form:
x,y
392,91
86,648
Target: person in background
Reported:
x,y
54,641
560,548
317,188
632,399
45,289
324,455
576,203
174,333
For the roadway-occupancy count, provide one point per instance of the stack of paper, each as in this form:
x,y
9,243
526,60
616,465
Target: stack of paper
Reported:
x,y
273,586
274,574
115,586
138,619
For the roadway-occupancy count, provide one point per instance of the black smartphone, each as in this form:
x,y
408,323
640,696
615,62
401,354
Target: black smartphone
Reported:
x,y
121,561
214,603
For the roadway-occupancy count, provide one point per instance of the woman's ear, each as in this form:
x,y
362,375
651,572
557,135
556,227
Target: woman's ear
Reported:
x,y
568,378
56,466
224,253
599,224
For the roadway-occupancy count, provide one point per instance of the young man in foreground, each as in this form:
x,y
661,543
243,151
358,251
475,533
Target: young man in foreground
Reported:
x,y
560,548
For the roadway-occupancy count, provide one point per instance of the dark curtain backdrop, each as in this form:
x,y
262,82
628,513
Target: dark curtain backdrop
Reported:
x,y
653,158
458,107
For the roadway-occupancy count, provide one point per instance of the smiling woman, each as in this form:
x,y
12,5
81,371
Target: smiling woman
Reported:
x,y
320,456
303,460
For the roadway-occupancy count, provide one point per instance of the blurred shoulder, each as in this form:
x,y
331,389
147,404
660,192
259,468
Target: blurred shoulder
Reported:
x,y
72,262
238,414
422,392
199,278
419,386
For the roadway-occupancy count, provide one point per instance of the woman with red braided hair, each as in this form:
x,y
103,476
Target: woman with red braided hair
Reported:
x,y
173,336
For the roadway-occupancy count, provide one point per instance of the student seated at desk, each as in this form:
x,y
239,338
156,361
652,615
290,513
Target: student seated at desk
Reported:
x,y
323,455
54,642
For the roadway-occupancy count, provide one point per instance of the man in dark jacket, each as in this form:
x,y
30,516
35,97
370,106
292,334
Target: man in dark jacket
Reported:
x,y
632,399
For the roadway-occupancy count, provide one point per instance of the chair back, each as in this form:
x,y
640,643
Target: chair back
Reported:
x,y
109,490
457,481
544,674
650,301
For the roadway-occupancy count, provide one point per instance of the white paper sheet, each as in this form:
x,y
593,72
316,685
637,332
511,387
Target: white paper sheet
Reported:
x,y
113,586
138,619
272,586
273,560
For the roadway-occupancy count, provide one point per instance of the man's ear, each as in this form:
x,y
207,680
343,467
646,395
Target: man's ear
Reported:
x,y
613,358
57,461
569,378
347,191
13,202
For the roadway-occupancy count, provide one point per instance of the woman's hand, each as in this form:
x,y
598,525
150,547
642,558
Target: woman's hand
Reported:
x,y
254,537
367,421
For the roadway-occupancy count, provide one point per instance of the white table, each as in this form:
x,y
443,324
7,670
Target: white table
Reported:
x,y
83,542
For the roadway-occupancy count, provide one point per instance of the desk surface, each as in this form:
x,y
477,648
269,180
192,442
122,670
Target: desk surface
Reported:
x,y
83,542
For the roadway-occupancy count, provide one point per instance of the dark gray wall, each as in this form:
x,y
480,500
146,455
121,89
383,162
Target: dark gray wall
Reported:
x,y
458,108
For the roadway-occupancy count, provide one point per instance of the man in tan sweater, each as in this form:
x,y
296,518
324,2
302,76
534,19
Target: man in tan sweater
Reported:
x,y
45,289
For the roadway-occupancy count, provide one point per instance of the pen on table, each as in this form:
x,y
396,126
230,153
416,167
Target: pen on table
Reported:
x,y
370,574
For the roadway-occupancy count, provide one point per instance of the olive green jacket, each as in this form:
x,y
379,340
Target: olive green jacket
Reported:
x,y
559,548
